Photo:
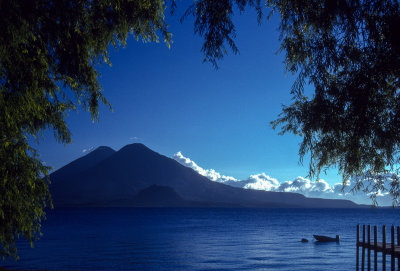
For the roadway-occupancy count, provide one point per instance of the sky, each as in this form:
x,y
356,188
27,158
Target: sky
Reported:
x,y
172,102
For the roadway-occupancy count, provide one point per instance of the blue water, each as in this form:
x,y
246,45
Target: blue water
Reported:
x,y
198,239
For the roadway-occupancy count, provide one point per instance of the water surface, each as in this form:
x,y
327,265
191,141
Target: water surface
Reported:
x,y
198,239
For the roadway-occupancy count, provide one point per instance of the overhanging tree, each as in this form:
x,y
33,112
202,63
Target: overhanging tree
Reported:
x,y
348,54
48,51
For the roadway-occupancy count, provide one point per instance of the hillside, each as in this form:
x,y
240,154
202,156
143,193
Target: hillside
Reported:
x,y
108,178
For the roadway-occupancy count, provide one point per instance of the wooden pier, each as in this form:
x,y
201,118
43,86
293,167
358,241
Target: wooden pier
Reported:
x,y
389,251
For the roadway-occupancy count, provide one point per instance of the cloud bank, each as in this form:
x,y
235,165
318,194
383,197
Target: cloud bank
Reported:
x,y
262,181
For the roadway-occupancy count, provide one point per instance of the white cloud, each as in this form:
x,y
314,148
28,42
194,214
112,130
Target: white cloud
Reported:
x,y
134,138
87,150
320,188
209,173
261,182
307,187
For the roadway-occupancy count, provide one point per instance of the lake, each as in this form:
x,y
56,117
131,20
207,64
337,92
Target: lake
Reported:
x,y
198,239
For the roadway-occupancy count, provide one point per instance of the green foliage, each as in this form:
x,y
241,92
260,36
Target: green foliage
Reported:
x,y
348,53
213,22
24,195
48,53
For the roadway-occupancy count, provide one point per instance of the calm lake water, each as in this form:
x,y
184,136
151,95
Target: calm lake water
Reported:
x,y
198,239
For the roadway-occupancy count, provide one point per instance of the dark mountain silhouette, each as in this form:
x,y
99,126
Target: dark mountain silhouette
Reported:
x,y
157,195
83,163
126,177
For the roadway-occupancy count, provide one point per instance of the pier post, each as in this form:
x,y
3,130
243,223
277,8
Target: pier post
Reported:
x,y
384,248
387,248
398,243
369,247
358,248
392,257
375,248
363,250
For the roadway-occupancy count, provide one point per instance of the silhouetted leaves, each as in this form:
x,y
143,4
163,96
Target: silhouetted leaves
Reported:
x,y
213,22
348,53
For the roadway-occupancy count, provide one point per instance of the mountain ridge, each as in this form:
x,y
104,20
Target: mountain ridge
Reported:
x,y
117,177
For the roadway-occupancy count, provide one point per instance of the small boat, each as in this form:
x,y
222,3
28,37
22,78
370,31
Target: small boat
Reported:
x,y
321,238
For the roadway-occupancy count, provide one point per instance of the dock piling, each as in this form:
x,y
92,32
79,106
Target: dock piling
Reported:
x,y
392,256
375,248
363,249
398,244
369,247
384,248
391,249
358,248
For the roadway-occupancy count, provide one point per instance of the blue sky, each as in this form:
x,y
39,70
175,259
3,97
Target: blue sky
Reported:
x,y
170,101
